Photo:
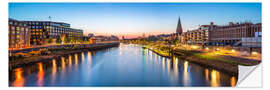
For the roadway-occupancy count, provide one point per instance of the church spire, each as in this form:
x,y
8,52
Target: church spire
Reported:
x,y
179,29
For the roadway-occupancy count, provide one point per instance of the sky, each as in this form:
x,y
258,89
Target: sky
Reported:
x,y
133,19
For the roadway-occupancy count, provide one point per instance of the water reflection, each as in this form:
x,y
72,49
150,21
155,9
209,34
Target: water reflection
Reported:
x,y
163,64
206,74
233,81
19,80
215,78
186,76
97,68
54,69
89,60
40,74
175,68
82,57
63,63
76,59
70,60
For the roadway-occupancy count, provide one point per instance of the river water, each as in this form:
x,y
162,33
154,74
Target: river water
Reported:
x,y
126,65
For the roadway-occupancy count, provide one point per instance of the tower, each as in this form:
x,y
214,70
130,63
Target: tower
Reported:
x,y
179,29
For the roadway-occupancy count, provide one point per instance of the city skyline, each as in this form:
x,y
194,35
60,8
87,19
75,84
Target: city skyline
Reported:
x,y
136,18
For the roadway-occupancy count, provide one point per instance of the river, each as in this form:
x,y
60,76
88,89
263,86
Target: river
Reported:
x,y
125,65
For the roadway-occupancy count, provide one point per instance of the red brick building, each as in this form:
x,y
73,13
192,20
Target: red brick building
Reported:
x,y
233,33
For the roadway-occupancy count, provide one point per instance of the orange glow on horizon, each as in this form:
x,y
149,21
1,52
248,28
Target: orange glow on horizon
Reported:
x,y
127,34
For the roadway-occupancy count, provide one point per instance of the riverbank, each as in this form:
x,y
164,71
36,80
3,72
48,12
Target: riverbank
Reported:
x,y
15,61
224,63
159,52
231,68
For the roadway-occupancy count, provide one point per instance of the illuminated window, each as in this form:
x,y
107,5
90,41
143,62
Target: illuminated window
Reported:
x,y
11,23
12,28
17,28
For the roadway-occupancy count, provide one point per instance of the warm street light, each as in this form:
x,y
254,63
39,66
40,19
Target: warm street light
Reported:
x,y
207,48
254,53
194,47
233,50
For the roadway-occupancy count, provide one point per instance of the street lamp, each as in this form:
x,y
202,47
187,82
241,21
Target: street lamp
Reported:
x,y
254,53
207,48
233,50
194,47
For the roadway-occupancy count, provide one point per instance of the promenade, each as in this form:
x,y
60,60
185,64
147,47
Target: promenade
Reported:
x,y
28,56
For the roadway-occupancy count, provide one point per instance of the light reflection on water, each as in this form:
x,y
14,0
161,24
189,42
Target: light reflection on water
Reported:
x,y
40,74
120,66
19,79
54,70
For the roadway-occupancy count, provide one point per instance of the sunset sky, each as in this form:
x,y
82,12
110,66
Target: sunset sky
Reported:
x,y
133,19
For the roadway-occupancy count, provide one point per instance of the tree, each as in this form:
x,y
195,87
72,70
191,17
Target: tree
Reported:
x,y
175,41
58,40
67,40
50,40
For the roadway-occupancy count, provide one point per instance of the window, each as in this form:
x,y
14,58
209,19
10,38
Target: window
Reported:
x,y
10,22
22,29
12,28
18,28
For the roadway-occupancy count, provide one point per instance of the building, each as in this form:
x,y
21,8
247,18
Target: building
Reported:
x,y
179,31
239,34
233,33
43,32
198,36
106,38
18,34
88,38
113,38
91,35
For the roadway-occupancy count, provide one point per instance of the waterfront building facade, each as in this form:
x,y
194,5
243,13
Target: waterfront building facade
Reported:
x,y
198,36
18,34
233,34
43,32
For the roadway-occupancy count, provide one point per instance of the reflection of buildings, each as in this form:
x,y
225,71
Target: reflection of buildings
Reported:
x,y
19,34
43,31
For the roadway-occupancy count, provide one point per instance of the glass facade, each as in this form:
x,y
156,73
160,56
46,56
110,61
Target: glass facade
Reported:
x,y
42,31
